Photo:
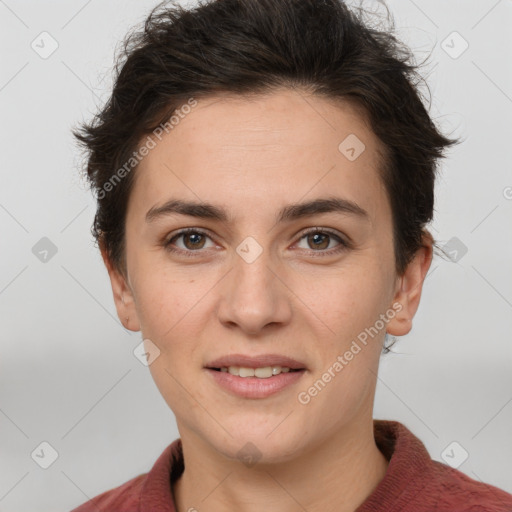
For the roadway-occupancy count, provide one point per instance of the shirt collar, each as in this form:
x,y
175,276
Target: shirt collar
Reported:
x,y
408,459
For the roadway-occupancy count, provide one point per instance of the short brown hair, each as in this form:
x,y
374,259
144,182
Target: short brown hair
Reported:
x,y
244,47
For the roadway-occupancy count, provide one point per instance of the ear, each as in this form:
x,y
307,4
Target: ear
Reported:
x,y
123,295
408,288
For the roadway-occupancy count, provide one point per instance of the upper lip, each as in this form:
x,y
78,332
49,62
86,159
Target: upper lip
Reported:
x,y
259,361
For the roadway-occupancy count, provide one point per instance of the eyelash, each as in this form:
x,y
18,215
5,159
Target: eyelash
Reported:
x,y
344,245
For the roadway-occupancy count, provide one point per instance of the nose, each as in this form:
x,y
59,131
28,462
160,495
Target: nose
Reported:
x,y
254,295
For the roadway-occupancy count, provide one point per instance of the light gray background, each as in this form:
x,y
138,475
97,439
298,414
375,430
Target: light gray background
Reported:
x,y
68,375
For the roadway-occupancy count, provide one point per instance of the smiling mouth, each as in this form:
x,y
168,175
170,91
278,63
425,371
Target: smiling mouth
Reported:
x,y
264,372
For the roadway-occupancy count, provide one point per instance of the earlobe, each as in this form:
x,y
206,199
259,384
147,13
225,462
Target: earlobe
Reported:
x,y
409,287
123,295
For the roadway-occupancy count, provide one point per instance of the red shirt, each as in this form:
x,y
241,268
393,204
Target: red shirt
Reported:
x,y
413,482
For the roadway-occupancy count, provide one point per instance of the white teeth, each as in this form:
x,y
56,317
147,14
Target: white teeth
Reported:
x,y
245,372
262,373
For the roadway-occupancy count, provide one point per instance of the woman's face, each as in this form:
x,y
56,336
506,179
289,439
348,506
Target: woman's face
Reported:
x,y
254,284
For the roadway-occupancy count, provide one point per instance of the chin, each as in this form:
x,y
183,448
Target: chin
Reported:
x,y
251,444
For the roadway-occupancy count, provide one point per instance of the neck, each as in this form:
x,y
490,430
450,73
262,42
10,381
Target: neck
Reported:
x,y
337,474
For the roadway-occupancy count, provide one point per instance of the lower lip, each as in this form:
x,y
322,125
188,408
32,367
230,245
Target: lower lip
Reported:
x,y
254,387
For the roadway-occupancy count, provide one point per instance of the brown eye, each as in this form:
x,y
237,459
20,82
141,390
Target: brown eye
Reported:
x,y
318,241
193,240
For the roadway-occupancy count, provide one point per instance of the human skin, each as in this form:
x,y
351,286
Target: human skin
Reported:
x,y
253,157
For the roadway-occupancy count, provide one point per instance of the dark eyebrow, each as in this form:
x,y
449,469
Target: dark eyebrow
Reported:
x,y
288,213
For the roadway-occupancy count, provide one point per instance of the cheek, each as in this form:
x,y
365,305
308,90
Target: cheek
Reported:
x,y
345,300
166,304
170,312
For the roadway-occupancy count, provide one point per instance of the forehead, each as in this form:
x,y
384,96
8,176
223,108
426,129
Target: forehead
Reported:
x,y
279,147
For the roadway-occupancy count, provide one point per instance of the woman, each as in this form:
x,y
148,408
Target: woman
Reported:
x,y
264,172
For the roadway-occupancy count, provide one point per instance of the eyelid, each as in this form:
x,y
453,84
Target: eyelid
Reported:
x,y
330,231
